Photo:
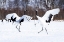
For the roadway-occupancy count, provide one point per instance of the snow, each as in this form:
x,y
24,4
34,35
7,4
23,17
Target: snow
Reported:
x,y
29,32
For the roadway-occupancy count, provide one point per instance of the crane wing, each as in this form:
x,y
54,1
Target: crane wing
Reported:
x,y
48,15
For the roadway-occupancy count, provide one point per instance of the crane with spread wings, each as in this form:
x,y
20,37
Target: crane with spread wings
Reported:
x,y
45,20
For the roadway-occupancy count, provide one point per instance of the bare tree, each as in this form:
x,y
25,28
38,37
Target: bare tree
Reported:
x,y
24,4
50,3
3,4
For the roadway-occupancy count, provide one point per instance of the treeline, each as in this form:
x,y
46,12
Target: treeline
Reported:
x,y
29,11
31,7
59,16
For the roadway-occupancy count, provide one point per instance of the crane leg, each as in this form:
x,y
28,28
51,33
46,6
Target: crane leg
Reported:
x,y
46,30
41,30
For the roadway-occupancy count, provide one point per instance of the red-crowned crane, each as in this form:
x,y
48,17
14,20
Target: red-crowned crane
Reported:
x,y
45,20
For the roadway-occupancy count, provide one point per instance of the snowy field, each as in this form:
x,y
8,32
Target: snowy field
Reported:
x,y
52,32
29,32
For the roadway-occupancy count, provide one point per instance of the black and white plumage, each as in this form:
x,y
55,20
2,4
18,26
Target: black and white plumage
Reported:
x,y
12,16
13,19
50,16
22,20
45,20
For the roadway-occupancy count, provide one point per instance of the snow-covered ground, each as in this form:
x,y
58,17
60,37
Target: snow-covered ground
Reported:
x,y
29,32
